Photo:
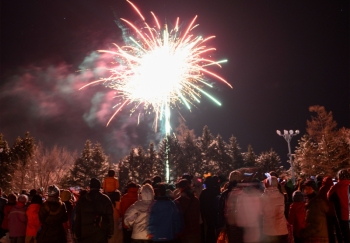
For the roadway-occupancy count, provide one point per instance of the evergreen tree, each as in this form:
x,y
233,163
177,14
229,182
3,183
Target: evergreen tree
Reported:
x,y
7,165
323,150
219,154
269,161
92,163
137,161
191,161
204,143
249,157
170,150
123,173
234,151
150,160
22,151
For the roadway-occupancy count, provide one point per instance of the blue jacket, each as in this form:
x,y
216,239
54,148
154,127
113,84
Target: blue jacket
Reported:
x,y
164,220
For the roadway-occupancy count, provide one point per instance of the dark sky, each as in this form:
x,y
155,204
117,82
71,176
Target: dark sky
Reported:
x,y
283,56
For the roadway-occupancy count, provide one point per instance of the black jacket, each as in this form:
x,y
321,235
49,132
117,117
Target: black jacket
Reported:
x,y
94,218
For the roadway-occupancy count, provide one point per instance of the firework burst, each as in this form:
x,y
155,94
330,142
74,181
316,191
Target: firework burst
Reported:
x,y
160,68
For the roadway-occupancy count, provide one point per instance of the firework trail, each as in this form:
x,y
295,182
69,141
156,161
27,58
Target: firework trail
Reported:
x,y
160,69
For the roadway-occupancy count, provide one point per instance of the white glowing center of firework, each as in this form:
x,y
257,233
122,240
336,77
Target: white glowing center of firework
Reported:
x,y
158,76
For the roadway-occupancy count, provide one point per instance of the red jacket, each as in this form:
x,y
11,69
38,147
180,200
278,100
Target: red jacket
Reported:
x,y
327,183
296,217
17,220
342,191
127,200
7,210
33,223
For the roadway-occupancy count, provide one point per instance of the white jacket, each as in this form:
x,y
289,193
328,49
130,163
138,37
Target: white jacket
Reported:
x,y
136,216
272,204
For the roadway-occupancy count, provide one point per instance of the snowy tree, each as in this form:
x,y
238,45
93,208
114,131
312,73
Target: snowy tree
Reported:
x,y
137,161
170,150
7,165
191,161
235,153
182,131
22,151
324,150
204,143
150,160
92,163
269,161
123,173
221,162
249,157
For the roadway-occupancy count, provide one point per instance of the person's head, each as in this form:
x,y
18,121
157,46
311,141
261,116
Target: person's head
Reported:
x,y
183,184
146,192
65,195
36,199
319,178
271,182
327,181
23,198
309,187
131,185
95,184
53,192
156,179
32,193
235,176
273,173
298,196
147,181
161,189
12,198
111,173
187,177
343,175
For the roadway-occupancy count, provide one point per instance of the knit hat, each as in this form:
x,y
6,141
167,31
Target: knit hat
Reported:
x,y
182,184
95,183
298,196
343,175
12,198
53,191
310,183
235,176
23,198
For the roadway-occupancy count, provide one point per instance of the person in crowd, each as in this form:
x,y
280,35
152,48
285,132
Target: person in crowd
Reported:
x,y
332,221
33,223
52,215
94,216
339,195
127,200
319,180
66,198
17,220
208,201
164,224
136,216
32,193
226,208
3,202
297,214
316,210
12,200
190,210
274,221
155,180
110,187
248,211
82,193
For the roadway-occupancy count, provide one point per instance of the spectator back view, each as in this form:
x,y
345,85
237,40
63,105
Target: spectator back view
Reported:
x,y
110,186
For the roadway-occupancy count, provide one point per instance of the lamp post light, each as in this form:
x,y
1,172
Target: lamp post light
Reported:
x,y
288,137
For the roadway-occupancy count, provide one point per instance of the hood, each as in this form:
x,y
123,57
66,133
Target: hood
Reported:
x,y
133,190
327,181
147,192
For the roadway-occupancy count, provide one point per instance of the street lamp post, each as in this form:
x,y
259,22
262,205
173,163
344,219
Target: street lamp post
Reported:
x,y
288,137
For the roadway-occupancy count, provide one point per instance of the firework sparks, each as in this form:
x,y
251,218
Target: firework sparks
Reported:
x,y
160,69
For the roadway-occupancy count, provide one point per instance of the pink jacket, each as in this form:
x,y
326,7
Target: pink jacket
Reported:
x,y
33,224
17,220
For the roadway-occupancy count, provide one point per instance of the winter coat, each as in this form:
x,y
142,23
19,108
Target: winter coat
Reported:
x,y
230,205
110,184
3,202
327,183
52,215
272,204
190,210
127,200
33,224
17,220
208,199
296,217
341,189
7,210
94,218
164,221
316,222
136,217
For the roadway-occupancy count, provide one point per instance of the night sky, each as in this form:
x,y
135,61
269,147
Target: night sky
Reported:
x,y
283,56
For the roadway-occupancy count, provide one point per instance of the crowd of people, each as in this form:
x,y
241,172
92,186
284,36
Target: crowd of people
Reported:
x,y
242,209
